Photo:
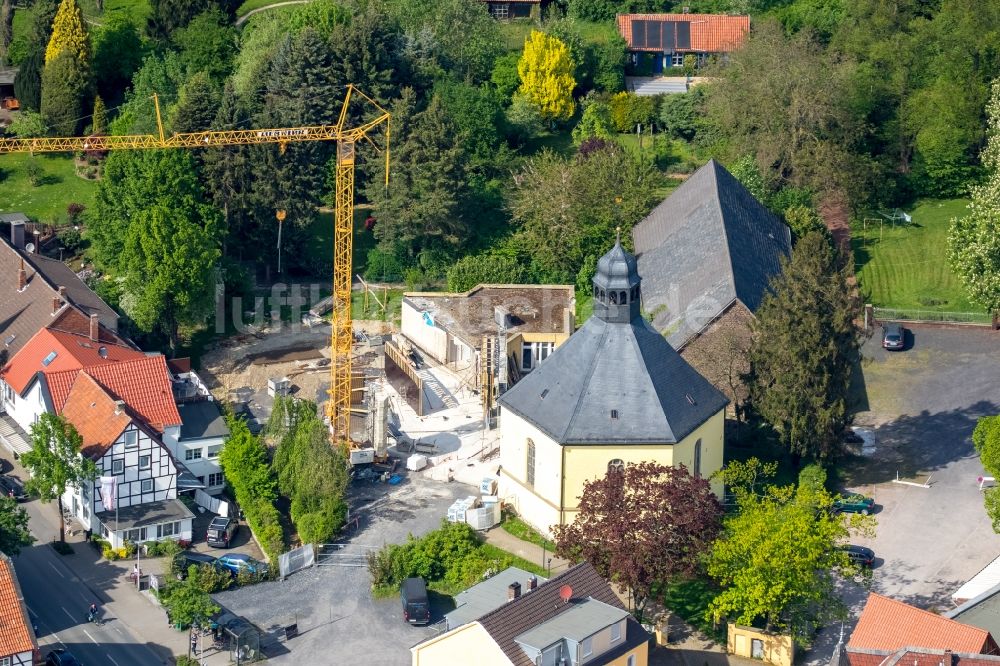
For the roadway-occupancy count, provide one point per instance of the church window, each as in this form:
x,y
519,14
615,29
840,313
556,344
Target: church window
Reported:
x,y
617,465
531,463
622,298
697,459
614,297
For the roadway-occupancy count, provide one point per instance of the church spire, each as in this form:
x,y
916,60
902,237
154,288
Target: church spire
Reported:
x,y
616,285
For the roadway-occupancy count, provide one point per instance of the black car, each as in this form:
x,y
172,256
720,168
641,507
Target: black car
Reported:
x,y
183,561
894,337
61,657
11,486
416,607
221,532
860,555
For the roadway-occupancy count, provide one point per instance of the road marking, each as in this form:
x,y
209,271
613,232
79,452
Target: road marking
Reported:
x,y
55,569
90,637
112,660
68,613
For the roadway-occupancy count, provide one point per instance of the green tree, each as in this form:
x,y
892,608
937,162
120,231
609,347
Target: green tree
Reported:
x,y
642,527
163,75
803,349
14,532
155,233
505,77
524,119
564,211
628,111
28,81
546,71
187,604
777,559
168,16
986,440
197,105
974,240
682,115
68,35
99,121
6,28
244,461
55,462
208,44
118,54
65,86
27,125
610,58
595,122
485,269
804,220
747,171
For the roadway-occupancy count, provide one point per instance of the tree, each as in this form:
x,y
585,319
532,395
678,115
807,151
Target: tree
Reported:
x,y
505,77
27,125
804,347
154,232
28,81
197,105
65,83
546,72
986,440
747,171
99,121
974,240
14,532
595,122
187,603
485,269
168,16
682,115
642,526
777,557
564,211
803,220
55,462
208,44
118,54
610,57
6,28
68,35
629,111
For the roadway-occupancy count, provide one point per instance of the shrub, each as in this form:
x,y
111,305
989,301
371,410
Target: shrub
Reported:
x,y
595,122
33,170
383,266
73,212
109,553
629,110
486,269
184,660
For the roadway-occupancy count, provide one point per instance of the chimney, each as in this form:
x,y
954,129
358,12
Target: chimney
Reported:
x,y
119,406
56,304
513,591
947,658
62,292
17,234
22,277
94,328
532,584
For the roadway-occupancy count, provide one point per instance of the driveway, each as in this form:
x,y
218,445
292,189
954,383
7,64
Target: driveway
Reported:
x,y
923,403
338,621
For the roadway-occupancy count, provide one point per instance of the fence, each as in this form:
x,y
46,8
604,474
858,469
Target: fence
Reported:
x,y
213,504
896,314
342,555
296,559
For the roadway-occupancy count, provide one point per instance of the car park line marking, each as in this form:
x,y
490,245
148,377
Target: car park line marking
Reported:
x,y
90,637
112,659
56,570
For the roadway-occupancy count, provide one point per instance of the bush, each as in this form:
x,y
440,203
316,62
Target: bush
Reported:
x,y
184,660
629,110
33,170
486,269
595,122
381,266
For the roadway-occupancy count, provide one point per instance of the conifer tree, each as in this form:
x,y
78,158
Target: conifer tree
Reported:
x,y
64,85
28,83
68,34
546,71
99,123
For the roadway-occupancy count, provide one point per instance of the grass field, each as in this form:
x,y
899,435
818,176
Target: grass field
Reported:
x,y
251,5
59,187
515,32
905,267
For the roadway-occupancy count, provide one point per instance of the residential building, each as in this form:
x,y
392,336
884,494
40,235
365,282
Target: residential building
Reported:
x,y
887,626
982,611
707,254
8,99
202,434
572,619
37,289
454,329
18,646
515,9
657,42
615,393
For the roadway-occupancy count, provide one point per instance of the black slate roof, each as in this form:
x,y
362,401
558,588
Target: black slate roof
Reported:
x,y
705,246
626,367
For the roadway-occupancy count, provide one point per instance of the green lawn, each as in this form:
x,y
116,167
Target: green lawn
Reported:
x,y
135,10
251,5
59,187
523,531
905,267
515,32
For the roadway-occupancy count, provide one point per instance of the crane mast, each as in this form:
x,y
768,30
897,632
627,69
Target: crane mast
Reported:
x,y
338,406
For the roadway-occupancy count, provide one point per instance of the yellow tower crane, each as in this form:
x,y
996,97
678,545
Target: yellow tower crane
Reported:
x,y
339,403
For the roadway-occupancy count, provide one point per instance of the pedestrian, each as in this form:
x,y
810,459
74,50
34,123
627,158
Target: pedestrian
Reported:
x,y
194,643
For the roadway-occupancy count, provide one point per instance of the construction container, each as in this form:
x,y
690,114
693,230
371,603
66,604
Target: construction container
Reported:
x,y
416,462
488,486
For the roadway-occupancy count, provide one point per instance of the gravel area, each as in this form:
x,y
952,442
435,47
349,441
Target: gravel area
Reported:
x,y
337,618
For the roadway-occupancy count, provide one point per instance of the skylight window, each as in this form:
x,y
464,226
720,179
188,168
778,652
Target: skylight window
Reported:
x,y
48,359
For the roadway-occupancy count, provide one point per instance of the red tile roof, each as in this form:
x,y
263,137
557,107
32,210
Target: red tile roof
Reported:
x,y
95,415
710,33
916,656
144,385
16,635
72,352
887,624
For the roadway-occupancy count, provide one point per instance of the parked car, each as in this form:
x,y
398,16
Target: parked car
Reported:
x,y
860,555
221,532
854,504
416,607
61,657
894,337
183,561
237,562
12,487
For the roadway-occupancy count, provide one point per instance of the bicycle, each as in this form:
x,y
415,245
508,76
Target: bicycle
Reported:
x,y
95,618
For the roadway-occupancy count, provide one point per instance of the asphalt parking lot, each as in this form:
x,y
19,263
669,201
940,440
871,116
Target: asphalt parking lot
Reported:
x,y
923,403
338,621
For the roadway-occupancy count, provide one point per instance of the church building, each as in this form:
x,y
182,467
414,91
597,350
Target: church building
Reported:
x,y
615,393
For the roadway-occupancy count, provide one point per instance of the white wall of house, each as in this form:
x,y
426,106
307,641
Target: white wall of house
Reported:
x,y
201,457
17,659
25,409
431,339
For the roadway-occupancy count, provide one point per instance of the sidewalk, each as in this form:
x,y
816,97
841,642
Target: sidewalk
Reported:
x,y
502,539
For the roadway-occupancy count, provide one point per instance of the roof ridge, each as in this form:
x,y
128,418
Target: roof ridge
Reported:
x,y
928,613
538,589
717,168
596,358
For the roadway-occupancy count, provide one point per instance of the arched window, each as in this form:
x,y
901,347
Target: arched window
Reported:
x,y
613,295
697,459
597,292
530,475
616,466
621,297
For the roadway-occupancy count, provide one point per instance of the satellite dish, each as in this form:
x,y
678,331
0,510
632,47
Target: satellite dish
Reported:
x,y
29,248
565,593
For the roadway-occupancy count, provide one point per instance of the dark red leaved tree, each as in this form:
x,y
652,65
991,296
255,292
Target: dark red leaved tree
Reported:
x,y
643,525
